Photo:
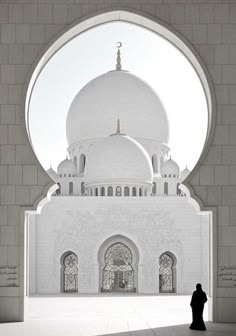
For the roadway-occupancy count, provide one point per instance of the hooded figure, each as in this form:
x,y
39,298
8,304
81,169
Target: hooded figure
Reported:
x,y
197,304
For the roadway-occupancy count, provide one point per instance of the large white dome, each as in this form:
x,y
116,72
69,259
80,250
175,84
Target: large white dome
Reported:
x,y
117,94
118,159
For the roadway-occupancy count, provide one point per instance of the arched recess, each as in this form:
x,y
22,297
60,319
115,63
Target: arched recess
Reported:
x,y
178,190
126,191
58,190
173,36
127,264
154,188
75,162
71,188
82,162
102,191
154,163
69,272
166,188
167,273
110,191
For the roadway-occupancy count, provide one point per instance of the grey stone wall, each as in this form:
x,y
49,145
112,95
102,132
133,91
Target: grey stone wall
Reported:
x,y
26,28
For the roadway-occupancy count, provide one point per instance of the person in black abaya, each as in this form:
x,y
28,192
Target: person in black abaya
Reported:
x,y
197,303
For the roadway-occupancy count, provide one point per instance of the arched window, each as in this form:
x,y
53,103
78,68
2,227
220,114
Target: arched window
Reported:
x,y
118,191
71,188
154,163
126,191
58,191
82,188
102,191
82,162
178,190
134,192
154,188
166,188
167,273
110,191
118,273
96,191
69,270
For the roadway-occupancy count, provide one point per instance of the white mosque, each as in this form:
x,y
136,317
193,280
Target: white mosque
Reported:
x,y
119,221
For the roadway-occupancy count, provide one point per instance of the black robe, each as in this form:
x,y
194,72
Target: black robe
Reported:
x,y
197,304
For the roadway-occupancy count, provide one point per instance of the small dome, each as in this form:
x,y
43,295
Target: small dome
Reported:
x,y
170,168
66,167
118,159
117,93
51,172
184,173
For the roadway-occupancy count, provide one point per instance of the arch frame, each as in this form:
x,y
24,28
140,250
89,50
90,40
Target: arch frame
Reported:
x,y
118,238
172,35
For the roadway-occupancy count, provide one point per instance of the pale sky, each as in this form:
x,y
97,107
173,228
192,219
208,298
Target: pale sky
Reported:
x,y
145,54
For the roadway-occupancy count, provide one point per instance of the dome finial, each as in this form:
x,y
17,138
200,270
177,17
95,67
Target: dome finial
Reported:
x,y
118,132
118,58
118,126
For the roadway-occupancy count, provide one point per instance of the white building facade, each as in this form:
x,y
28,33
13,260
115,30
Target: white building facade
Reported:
x,y
119,221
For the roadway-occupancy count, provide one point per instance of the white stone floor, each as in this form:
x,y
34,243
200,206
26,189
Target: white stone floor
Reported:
x,y
132,315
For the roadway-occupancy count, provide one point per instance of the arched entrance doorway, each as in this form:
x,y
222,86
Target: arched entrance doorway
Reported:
x,y
118,259
118,273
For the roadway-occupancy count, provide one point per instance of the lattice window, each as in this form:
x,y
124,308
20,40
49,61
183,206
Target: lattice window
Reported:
x,y
70,273
166,274
118,273
118,191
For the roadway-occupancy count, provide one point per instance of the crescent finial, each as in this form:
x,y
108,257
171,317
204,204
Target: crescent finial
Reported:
x,y
118,59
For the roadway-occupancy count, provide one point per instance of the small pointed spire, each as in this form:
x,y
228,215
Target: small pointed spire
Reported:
x,y
118,59
118,131
118,126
